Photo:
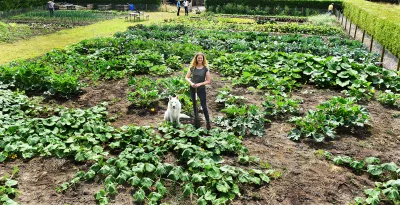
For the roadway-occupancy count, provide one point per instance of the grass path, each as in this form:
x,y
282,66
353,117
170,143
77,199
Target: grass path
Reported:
x,y
40,45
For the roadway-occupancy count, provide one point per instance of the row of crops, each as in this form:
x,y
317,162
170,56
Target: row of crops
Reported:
x,y
153,57
63,17
40,22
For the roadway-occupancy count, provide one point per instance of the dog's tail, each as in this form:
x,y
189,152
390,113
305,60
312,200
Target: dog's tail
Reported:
x,y
183,116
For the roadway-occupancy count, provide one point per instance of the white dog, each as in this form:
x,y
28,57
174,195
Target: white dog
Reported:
x,y
173,113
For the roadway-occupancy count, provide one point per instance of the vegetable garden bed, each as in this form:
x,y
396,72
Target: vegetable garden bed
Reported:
x,y
36,23
266,91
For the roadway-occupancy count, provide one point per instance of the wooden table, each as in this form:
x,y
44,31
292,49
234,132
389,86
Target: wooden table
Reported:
x,y
135,16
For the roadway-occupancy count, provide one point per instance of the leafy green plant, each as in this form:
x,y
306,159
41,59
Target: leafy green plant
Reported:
x,y
335,113
225,98
8,190
386,177
244,120
174,62
36,79
199,170
323,20
146,94
389,98
361,90
279,105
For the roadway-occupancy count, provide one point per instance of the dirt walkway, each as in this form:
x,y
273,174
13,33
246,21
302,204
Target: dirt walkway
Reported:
x,y
40,45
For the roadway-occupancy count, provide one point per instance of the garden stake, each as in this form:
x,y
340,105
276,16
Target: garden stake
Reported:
x,y
355,32
398,64
349,28
362,40
370,46
383,54
342,20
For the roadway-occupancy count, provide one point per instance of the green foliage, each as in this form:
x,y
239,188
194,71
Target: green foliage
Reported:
x,y
8,188
361,90
225,98
279,105
207,23
389,98
386,177
335,113
146,94
244,120
149,92
142,50
231,8
174,62
15,4
77,17
323,20
378,20
275,3
200,169
38,79
71,133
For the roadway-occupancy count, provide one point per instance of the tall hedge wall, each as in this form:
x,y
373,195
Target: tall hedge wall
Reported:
x,y
381,21
315,4
16,4
387,1
84,2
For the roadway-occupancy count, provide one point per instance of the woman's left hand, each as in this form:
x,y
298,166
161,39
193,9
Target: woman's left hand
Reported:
x,y
196,85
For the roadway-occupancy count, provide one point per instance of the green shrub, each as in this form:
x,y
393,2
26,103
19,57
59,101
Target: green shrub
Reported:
x,y
314,4
389,98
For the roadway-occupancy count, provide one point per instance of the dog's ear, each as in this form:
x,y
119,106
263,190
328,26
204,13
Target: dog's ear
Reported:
x,y
169,97
176,95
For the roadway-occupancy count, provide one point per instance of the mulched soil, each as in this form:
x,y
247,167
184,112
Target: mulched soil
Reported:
x,y
306,177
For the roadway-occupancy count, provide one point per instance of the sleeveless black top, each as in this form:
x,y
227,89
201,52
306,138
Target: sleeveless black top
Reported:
x,y
199,75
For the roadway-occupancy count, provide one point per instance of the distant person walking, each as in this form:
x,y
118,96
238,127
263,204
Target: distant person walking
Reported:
x,y
50,6
186,5
330,9
178,4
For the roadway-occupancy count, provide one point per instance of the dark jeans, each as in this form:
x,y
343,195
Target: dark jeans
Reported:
x,y
51,12
201,93
179,8
186,11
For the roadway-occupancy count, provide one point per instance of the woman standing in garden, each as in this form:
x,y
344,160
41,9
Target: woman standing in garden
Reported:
x,y
198,76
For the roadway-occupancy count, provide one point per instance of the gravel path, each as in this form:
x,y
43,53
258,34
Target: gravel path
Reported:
x,y
389,61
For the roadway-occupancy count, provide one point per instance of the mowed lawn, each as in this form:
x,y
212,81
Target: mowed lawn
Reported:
x,y
40,45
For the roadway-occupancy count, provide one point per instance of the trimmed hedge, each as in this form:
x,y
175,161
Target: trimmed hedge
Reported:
x,y
379,20
314,4
280,11
387,1
15,4
84,2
